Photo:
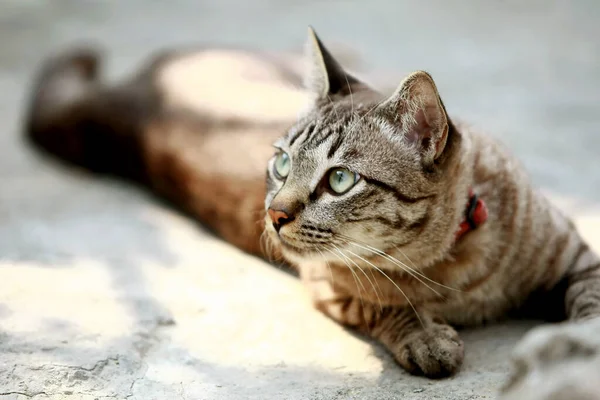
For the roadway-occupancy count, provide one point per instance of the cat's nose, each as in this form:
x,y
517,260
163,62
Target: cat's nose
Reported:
x,y
279,218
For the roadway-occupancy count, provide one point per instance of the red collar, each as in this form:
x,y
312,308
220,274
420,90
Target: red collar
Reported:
x,y
476,213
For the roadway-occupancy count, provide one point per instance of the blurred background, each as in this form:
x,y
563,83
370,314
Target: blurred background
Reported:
x,y
526,71
113,293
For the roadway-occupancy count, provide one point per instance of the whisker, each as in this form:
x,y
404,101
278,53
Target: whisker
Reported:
x,y
404,267
254,212
350,90
328,266
375,279
392,281
364,273
263,246
333,107
357,281
405,256
400,264
351,129
415,274
267,246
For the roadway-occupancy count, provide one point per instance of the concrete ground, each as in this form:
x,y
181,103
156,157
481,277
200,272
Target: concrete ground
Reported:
x,y
107,293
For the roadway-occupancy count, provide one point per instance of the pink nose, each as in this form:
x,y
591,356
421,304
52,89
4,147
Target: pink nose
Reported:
x,y
279,218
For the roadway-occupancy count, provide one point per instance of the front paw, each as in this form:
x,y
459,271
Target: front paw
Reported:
x,y
435,352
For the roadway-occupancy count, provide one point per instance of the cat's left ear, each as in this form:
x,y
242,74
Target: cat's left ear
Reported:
x,y
418,112
325,77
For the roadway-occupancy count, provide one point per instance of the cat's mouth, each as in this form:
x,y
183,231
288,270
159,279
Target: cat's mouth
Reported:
x,y
310,243
293,245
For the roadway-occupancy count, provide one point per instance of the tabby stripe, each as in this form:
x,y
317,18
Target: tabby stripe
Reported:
x,y
589,308
419,224
335,145
395,324
321,129
308,130
360,219
373,321
320,140
359,201
306,141
295,137
353,312
369,316
592,297
574,293
345,304
583,247
553,263
397,224
587,304
400,196
351,154
518,236
544,255
584,273
505,205
336,128
526,220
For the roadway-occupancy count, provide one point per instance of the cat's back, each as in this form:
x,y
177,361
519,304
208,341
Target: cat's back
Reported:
x,y
526,244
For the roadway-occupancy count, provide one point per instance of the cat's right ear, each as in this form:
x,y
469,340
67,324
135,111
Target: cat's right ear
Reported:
x,y
324,76
419,115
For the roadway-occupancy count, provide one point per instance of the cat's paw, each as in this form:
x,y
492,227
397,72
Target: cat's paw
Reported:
x,y
554,358
557,343
436,352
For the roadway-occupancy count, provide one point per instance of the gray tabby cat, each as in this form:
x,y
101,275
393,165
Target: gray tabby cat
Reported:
x,y
402,223
367,194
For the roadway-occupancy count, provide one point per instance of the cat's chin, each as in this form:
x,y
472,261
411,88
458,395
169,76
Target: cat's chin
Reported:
x,y
296,254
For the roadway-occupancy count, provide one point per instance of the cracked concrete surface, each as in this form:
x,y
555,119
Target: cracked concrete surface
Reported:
x,y
109,294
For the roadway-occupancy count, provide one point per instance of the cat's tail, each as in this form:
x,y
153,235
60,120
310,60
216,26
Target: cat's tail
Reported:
x,y
76,117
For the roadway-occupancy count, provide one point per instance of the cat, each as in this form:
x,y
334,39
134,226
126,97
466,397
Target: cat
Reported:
x,y
402,223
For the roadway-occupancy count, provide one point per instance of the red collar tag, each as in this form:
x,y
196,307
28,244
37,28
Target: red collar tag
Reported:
x,y
476,213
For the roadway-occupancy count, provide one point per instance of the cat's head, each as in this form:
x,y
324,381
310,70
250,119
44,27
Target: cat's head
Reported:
x,y
360,172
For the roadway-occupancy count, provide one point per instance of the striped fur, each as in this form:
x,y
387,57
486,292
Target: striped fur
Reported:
x,y
389,264
382,258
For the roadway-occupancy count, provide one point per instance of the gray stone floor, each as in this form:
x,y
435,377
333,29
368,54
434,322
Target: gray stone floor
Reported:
x,y
106,293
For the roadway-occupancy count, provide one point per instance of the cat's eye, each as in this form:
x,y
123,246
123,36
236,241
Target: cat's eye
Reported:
x,y
282,165
341,180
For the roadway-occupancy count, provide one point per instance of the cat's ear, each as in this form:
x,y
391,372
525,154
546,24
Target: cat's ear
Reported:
x,y
417,110
324,76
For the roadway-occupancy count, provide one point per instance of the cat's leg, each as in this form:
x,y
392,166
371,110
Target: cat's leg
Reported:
x,y
421,343
78,117
582,299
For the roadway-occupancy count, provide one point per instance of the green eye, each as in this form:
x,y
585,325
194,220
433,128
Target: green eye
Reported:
x,y
282,165
341,180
